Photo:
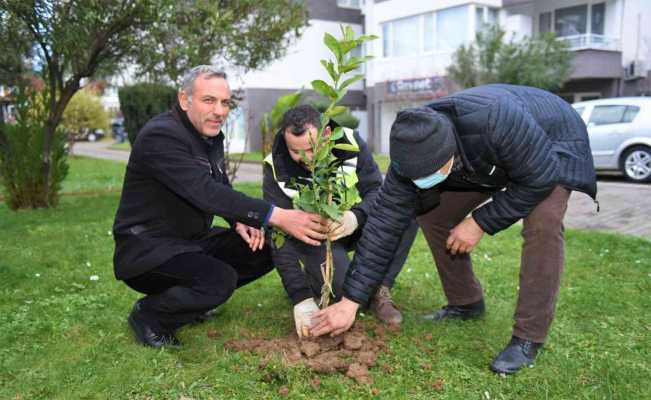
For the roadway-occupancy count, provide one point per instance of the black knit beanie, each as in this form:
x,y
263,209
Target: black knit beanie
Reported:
x,y
421,142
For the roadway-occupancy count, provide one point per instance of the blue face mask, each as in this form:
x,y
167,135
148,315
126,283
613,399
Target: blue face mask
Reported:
x,y
430,181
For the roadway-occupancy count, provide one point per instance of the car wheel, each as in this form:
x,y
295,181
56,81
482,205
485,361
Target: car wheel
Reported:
x,y
636,164
92,137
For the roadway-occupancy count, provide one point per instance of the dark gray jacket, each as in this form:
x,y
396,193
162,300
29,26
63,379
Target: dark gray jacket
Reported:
x,y
174,184
517,138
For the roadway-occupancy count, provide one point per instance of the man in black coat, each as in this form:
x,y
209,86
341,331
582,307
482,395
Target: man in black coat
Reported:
x,y
523,149
175,183
299,265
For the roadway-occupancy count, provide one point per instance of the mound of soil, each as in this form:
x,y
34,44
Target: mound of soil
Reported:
x,y
351,353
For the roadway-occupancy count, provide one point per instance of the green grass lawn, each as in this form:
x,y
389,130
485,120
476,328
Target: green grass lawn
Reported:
x,y
64,334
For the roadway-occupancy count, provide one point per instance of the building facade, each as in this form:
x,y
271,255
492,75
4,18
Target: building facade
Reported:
x,y
611,48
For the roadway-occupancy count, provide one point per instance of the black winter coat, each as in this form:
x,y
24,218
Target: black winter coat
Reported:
x,y
517,138
286,258
174,184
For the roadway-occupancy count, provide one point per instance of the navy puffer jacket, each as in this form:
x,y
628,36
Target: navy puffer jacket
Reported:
x,y
531,138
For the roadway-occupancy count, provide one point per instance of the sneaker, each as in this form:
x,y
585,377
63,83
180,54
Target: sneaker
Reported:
x,y
383,307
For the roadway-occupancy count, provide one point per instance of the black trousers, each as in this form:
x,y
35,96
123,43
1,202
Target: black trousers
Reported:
x,y
313,259
190,284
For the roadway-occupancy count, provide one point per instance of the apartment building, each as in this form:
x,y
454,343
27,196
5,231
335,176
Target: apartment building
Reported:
x,y
610,40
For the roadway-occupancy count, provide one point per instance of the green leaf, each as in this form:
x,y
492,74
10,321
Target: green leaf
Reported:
x,y
330,67
278,238
283,104
324,89
337,134
346,147
331,211
333,45
367,38
349,33
337,110
350,81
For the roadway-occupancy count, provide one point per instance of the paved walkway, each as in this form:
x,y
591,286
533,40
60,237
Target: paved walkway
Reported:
x,y
624,207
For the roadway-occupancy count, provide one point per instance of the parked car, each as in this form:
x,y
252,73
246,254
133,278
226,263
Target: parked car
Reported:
x,y
620,135
91,135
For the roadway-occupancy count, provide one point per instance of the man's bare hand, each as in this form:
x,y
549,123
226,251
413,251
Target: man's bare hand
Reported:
x,y
306,227
464,237
252,236
335,319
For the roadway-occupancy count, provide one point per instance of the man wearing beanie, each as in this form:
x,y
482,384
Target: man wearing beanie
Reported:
x,y
519,150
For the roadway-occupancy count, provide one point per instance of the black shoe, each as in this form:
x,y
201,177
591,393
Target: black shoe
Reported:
x,y
146,334
208,315
464,313
518,354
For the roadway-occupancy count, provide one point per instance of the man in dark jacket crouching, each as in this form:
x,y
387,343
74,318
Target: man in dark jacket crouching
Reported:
x,y
523,149
175,183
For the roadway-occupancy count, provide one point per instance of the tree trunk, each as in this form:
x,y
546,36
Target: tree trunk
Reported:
x,y
53,121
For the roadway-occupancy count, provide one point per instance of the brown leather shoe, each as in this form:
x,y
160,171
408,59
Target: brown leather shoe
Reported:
x,y
383,308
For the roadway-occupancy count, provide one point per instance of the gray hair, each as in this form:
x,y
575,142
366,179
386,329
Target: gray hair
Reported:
x,y
210,71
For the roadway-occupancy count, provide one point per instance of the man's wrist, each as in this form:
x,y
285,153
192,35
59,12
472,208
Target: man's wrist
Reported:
x,y
349,304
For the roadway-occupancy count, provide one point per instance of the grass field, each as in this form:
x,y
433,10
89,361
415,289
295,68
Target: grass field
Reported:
x,y
64,333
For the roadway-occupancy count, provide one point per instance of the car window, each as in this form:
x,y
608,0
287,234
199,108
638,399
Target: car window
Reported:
x,y
630,113
580,110
604,115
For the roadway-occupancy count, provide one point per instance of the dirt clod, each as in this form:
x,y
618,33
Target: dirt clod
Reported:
x,y
353,340
359,372
284,391
309,348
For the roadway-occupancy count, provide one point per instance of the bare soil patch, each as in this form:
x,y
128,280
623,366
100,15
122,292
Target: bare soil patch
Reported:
x,y
352,353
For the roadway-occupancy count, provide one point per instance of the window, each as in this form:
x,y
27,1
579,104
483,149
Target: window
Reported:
x,y
545,22
614,114
428,33
571,21
442,31
356,4
597,18
405,38
630,113
485,17
451,28
579,110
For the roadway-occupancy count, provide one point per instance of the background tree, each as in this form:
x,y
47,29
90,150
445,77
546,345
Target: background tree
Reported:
x,y
543,62
243,33
76,40
85,111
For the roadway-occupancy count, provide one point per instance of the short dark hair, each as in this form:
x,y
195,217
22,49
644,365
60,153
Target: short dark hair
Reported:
x,y
297,117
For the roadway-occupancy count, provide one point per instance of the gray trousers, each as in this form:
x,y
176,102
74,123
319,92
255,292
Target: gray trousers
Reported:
x,y
312,262
541,265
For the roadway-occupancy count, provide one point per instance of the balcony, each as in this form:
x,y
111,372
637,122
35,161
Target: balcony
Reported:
x,y
592,41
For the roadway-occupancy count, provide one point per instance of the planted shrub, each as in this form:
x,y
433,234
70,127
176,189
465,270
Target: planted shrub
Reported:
x,y
22,155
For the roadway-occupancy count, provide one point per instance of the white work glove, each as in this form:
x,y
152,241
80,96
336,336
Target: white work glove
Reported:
x,y
303,312
345,226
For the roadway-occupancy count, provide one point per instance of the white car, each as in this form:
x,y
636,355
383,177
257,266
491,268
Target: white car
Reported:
x,y
620,135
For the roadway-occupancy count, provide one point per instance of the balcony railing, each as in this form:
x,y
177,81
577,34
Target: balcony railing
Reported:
x,y
592,41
